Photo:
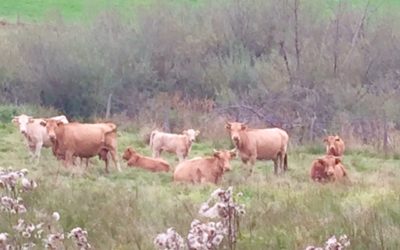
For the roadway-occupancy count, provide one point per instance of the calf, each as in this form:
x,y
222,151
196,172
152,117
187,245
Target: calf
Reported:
x,y
35,135
208,169
180,144
327,169
135,159
334,145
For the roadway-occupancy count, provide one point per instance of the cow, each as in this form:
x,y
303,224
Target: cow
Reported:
x,y
260,144
83,140
35,135
180,144
327,169
152,164
334,145
209,169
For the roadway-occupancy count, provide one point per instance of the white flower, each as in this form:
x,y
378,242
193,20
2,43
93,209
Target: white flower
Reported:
x,y
3,237
56,216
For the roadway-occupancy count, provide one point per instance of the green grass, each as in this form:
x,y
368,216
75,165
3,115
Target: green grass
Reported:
x,y
83,10
126,210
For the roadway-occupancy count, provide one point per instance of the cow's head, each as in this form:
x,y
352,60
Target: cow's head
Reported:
x,y
51,126
224,157
191,134
22,122
234,129
329,163
330,142
129,153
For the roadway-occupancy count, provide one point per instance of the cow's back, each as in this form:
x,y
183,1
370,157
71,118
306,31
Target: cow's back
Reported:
x,y
83,139
167,142
187,170
268,142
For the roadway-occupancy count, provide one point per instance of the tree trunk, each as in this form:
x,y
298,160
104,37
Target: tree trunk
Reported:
x,y
108,109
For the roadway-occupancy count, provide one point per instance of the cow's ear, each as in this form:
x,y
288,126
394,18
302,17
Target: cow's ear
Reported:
x,y
216,153
337,161
31,120
59,123
233,153
337,138
244,126
14,119
43,123
197,132
228,125
321,161
325,139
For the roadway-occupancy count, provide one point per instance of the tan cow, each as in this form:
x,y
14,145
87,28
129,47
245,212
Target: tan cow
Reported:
x,y
260,144
180,144
327,169
334,145
35,135
208,169
83,140
152,164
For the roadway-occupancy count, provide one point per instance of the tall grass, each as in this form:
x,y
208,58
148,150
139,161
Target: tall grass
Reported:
x,y
126,210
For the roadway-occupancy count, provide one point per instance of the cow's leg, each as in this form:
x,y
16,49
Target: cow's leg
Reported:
x,y
275,166
68,158
86,162
38,148
181,158
113,154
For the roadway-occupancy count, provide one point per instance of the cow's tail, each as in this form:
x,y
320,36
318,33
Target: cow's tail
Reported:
x,y
153,133
285,162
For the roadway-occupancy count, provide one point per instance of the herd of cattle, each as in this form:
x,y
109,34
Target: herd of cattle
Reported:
x,y
70,141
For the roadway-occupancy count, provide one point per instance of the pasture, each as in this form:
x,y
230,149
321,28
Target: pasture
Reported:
x,y
126,210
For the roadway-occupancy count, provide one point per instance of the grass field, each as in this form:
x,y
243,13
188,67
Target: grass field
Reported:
x,y
126,210
84,10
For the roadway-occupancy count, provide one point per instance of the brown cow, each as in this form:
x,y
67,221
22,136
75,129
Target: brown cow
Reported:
x,y
83,140
208,169
180,144
260,144
327,168
35,135
138,160
334,145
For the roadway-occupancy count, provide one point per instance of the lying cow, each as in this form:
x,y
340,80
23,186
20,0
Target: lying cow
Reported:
x,y
135,159
328,168
35,135
208,169
260,144
334,145
83,140
173,143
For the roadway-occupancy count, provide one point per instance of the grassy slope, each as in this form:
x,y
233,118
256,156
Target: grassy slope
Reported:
x,y
36,10
126,210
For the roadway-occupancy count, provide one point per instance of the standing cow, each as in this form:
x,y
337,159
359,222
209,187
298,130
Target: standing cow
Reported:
x,y
180,144
35,135
260,144
83,140
334,145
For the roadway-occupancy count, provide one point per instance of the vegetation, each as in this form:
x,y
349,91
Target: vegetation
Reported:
x,y
127,210
309,68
